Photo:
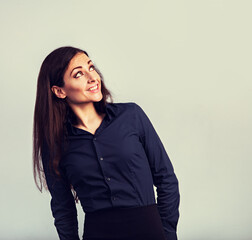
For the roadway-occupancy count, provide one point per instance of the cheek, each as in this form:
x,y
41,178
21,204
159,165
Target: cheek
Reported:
x,y
77,87
98,76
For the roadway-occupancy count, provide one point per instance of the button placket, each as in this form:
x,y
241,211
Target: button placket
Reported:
x,y
103,167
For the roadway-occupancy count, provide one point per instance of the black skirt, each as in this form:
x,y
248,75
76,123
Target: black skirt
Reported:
x,y
135,223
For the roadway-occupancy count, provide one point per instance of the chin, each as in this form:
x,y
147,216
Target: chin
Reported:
x,y
98,99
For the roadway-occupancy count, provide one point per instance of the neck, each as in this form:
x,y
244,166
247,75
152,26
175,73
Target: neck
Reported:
x,y
85,113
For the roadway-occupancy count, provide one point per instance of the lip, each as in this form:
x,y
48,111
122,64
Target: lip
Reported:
x,y
96,90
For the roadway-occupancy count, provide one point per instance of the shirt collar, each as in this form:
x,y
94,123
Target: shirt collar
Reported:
x,y
110,111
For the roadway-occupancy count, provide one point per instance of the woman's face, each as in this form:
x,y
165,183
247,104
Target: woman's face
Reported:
x,y
82,82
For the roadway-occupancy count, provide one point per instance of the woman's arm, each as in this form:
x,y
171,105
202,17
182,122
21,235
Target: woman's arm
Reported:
x,y
164,178
62,202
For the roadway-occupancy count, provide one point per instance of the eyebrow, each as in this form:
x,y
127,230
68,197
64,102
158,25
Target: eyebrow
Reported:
x,y
79,67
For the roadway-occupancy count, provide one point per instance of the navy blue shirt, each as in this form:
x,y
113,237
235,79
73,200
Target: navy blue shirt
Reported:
x,y
115,167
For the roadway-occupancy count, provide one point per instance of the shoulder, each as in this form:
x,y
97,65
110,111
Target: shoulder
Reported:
x,y
124,106
125,109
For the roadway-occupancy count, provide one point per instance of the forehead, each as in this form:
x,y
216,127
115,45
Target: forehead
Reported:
x,y
78,59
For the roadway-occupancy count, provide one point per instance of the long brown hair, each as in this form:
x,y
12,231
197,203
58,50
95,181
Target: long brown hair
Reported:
x,y
51,112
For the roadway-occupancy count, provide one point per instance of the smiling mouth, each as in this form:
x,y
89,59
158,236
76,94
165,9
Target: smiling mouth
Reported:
x,y
94,89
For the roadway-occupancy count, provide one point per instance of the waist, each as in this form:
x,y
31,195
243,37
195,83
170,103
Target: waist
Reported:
x,y
121,211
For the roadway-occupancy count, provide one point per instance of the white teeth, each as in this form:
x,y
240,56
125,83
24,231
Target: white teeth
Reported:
x,y
93,88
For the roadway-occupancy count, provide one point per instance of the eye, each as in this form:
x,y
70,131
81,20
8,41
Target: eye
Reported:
x,y
92,68
78,74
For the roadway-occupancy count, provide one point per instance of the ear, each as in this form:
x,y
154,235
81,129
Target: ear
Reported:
x,y
58,91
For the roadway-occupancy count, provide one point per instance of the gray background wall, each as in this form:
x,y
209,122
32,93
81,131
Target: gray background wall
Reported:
x,y
186,63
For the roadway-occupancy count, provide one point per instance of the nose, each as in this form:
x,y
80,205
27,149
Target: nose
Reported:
x,y
91,77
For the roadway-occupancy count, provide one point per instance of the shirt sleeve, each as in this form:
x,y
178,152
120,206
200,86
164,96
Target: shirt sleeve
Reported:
x,y
164,178
62,202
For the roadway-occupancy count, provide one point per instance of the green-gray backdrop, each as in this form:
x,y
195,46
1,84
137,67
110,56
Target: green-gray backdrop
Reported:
x,y
186,63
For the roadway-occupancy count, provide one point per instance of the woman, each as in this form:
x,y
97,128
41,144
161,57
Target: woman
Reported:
x,y
107,155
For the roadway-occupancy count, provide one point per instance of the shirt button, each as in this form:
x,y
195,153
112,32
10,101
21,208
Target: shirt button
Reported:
x,y
101,158
94,139
113,198
108,178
